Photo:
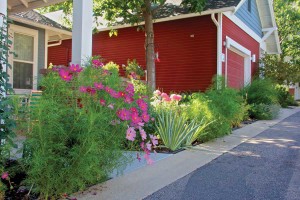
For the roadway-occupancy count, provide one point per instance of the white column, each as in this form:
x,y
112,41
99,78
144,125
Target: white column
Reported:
x,y
82,30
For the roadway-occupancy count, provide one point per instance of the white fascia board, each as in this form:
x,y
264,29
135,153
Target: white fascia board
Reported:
x,y
239,5
274,25
243,26
242,50
183,16
24,21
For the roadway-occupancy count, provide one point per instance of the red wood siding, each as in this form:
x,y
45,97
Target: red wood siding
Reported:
x,y
187,52
59,55
237,34
235,70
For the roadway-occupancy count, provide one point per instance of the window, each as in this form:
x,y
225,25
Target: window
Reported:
x,y
249,5
23,61
23,73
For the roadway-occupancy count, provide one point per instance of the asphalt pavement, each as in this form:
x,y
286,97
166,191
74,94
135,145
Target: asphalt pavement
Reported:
x,y
266,167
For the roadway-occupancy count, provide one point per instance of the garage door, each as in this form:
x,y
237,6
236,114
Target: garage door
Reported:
x,y
235,70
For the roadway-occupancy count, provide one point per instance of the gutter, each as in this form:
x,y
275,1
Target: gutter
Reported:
x,y
219,25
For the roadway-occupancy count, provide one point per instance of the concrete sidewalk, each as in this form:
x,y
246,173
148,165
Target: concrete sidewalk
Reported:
x,y
149,179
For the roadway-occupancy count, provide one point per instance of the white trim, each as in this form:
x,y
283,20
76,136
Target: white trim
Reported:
x,y
239,5
182,16
242,51
34,33
243,26
274,25
46,49
82,31
219,25
32,5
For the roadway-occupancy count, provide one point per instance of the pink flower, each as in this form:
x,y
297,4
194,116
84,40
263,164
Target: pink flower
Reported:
x,y
65,75
102,102
145,117
106,72
90,90
135,118
148,145
75,68
124,114
97,63
148,159
152,119
157,93
130,134
142,145
167,99
134,110
111,106
141,124
133,75
5,175
142,104
122,94
82,89
99,86
154,140
164,95
114,94
108,89
128,99
175,97
138,157
130,89
143,134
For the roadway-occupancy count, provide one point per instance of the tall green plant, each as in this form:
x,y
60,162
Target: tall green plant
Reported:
x,y
75,139
174,130
262,97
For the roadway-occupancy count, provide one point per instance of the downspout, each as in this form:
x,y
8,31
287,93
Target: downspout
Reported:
x,y
219,42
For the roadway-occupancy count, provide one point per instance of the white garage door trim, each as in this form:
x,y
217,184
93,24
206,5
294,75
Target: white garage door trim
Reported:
x,y
242,51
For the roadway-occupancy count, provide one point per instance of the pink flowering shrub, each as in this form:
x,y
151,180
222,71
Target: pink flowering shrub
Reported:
x,y
83,120
161,100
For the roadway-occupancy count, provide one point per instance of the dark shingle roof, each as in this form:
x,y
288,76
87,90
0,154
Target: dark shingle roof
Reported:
x,y
41,19
172,7
217,4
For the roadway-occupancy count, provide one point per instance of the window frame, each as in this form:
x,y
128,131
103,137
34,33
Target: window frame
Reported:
x,y
32,33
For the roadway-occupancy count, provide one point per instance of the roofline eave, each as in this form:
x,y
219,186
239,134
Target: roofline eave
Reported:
x,y
32,23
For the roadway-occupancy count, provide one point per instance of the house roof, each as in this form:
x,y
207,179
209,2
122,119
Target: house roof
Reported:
x,y
173,7
40,19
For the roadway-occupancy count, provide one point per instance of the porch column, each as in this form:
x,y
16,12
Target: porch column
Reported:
x,y
3,15
82,30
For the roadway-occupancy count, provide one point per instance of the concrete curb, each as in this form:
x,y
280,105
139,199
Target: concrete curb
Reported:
x,y
147,180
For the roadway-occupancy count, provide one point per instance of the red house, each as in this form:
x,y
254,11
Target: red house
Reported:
x,y
227,38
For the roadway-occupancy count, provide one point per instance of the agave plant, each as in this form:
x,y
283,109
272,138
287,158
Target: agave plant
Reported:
x,y
175,130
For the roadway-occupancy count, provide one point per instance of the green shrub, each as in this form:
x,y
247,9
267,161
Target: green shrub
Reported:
x,y
72,141
263,111
285,99
222,108
262,97
260,91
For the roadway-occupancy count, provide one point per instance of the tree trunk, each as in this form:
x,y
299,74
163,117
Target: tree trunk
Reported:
x,y
149,45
